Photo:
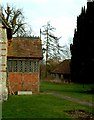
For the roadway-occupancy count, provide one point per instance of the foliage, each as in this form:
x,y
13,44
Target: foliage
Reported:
x,y
51,46
51,43
66,51
82,60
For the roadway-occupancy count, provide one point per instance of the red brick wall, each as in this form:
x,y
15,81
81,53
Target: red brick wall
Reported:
x,y
23,82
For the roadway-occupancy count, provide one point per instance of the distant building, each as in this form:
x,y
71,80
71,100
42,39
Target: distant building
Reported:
x,y
63,69
24,56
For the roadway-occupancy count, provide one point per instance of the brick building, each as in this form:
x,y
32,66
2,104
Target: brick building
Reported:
x,y
24,56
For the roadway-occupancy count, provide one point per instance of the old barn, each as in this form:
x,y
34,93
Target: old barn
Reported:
x,y
62,70
24,57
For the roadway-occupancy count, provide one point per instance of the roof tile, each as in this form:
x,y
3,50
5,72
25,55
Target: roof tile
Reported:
x,y
62,68
25,48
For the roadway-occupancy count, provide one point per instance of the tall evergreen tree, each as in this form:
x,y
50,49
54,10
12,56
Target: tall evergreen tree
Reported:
x,y
51,44
82,60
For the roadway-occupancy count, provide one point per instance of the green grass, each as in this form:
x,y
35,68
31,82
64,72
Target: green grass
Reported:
x,y
39,106
79,91
45,105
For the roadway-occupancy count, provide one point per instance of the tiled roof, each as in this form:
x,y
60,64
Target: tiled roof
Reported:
x,y
62,68
25,48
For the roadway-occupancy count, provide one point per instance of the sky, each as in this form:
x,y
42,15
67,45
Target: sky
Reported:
x,y
62,15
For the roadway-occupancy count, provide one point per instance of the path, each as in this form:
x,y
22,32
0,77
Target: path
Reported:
x,y
71,99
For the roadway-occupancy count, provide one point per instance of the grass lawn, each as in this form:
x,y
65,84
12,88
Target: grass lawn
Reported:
x,y
79,91
42,105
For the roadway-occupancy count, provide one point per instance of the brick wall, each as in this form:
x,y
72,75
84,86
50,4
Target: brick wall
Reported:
x,y
23,82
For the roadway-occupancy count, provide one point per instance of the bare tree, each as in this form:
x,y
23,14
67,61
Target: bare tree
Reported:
x,y
14,19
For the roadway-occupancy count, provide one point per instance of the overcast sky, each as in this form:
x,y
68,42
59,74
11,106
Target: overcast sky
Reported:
x,y
62,14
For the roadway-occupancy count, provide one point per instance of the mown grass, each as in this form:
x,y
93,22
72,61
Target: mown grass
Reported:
x,y
39,106
44,105
80,91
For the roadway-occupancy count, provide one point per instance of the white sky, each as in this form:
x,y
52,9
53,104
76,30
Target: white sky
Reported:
x,y
62,14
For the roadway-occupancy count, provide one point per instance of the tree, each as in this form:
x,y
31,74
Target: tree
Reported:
x,y
51,44
14,19
66,52
82,60
26,31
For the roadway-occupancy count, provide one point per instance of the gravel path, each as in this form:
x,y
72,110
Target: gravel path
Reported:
x,y
71,99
